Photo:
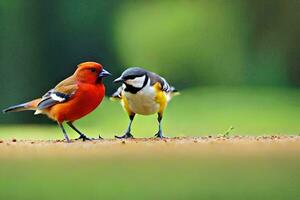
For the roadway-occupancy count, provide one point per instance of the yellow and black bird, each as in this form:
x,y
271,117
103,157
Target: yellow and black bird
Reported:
x,y
145,93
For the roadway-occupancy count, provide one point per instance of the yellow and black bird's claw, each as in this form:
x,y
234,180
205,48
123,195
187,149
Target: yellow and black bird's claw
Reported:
x,y
159,135
125,136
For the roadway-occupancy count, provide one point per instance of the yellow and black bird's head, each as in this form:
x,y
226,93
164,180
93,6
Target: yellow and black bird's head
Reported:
x,y
134,79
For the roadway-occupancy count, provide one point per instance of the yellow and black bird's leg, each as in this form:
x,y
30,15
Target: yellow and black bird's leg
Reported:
x,y
81,135
159,134
128,131
64,132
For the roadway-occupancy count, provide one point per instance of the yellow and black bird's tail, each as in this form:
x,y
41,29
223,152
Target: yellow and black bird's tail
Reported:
x,y
31,105
173,92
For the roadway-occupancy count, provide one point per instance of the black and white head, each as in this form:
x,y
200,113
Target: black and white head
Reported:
x,y
134,79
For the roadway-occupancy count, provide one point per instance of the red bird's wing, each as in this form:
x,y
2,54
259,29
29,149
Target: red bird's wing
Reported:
x,y
61,93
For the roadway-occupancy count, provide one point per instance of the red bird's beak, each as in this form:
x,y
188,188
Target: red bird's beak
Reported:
x,y
104,73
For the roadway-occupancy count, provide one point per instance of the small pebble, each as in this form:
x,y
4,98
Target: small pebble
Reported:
x,y
123,142
1,141
14,140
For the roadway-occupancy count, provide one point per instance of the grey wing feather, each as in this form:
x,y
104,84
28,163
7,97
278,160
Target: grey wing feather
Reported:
x,y
156,78
51,98
118,93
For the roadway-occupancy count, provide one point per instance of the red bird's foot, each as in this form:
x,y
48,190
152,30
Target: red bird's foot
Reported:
x,y
100,138
68,140
84,138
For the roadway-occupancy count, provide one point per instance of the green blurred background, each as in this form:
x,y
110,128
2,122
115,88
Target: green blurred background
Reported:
x,y
236,63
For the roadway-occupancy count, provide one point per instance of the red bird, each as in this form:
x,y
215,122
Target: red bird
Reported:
x,y
71,99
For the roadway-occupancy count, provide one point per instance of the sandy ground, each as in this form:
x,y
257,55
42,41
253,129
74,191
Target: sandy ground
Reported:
x,y
235,167
183,146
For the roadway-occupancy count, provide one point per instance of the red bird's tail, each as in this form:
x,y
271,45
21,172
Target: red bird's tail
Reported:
x,y
31,105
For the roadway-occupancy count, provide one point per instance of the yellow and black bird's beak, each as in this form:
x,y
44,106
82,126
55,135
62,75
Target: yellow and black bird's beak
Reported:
x,y
119,80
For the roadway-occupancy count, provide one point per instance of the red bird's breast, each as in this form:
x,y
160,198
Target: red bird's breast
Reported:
x,y
84,101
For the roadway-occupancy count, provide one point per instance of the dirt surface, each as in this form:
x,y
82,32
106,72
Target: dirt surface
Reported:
x,y
235,167
192,146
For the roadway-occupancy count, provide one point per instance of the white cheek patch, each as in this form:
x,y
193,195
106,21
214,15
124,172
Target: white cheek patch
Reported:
x,y
57,98
138,82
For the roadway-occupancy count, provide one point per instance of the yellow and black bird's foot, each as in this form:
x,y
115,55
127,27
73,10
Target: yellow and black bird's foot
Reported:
x,y
159,134
125,136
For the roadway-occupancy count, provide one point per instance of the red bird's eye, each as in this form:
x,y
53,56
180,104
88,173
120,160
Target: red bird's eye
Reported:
x,y
93,70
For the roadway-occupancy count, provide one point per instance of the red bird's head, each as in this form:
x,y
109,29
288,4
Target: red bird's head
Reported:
x,y
90,72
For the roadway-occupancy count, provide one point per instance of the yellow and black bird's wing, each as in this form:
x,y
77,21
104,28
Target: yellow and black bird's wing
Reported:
x,y
164,85
161,84
118,94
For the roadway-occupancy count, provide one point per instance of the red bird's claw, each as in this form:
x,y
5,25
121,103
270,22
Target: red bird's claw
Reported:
x,y
100,138
84,138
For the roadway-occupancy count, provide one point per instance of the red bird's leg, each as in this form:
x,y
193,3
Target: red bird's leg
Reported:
x,y
64,132
81,135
